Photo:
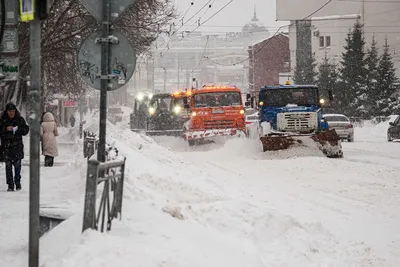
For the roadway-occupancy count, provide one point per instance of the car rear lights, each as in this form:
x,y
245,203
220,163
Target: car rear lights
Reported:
x,y
349,126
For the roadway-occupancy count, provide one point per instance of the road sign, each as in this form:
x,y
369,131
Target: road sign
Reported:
x,y
117,8
9,68
122,61
10,41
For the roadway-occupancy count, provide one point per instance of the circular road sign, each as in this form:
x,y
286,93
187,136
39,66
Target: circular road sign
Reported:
x,y
122,61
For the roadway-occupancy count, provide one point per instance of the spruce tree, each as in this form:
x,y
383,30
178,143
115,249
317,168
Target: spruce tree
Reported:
x,y
372,91
352,71
386,81
305,72
327,80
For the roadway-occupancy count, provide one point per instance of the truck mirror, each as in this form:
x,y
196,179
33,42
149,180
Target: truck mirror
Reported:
x,y
248,97
330,95
185,101
247,103
252,101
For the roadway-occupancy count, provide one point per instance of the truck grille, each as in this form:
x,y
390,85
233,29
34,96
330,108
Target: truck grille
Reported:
x,y
297,121
218,124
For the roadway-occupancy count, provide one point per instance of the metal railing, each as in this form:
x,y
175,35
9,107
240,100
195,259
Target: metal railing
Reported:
x,y
111,197
90,144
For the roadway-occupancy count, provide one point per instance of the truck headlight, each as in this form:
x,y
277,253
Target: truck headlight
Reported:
x,y
322,101
241,111
177,109
152,111
140,97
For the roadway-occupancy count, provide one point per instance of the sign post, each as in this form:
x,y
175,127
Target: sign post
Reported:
x,y
117,60
31,11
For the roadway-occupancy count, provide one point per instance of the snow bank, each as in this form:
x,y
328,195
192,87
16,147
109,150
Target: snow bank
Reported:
x,y
179,212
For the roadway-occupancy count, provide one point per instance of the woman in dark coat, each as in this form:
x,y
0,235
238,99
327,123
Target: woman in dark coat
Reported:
x,y
12,128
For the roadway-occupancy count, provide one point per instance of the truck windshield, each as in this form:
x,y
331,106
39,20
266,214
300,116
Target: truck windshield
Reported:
x,y
161,103
218,99
291,96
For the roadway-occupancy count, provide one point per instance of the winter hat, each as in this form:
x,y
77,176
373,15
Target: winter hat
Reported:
x,y
11,106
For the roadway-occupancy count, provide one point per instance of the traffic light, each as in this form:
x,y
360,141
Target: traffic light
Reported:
x,y
31,8
27,10
43,7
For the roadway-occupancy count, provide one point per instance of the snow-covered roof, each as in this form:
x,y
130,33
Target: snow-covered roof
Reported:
x,y
270,37
337,17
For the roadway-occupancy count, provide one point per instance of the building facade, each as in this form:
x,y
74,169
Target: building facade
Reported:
x,y
210,58
329,26
268,59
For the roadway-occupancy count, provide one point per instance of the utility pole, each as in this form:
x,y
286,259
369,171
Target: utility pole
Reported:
x,y
34,152
105,58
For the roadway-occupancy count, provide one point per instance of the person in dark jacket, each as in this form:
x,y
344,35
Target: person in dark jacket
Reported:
x,y
12,128
72,120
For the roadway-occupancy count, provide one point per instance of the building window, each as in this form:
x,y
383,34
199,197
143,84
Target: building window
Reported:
x,y
328,41
321,41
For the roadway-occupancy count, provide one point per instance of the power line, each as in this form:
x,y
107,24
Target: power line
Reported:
x,y
184,23
216,13
270,38
202,54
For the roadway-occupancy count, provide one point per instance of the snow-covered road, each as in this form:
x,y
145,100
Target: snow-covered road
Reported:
x,y
224,204
228,204
351,203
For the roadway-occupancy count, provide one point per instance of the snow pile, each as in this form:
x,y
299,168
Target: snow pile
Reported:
x,y
196,209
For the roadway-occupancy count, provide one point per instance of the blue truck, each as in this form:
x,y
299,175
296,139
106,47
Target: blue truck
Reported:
x,y
291,115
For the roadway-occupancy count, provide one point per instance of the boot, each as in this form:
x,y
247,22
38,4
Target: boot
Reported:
x,y
10,188
18,187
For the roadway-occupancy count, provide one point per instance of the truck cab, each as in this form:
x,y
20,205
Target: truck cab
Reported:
x,y
215,111
291,109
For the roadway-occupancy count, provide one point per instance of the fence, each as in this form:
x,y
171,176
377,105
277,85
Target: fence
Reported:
x,y
113,181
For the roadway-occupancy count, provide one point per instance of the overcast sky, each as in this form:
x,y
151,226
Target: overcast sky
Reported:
x,y
231,18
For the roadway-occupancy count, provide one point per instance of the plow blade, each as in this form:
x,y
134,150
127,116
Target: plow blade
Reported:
x,y
328,142
164,132
159,132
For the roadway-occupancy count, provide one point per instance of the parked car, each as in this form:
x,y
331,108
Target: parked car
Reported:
x,y
342,125
251,124
393,132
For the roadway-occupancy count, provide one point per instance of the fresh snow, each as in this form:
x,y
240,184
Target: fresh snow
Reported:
x,y
224,204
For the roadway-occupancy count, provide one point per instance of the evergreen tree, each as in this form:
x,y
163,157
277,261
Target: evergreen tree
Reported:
x,y
352,71
372,92
327,81
386,82
304,72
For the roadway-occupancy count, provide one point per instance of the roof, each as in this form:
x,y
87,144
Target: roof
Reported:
x,y
271,37
213,89
337,17
288,87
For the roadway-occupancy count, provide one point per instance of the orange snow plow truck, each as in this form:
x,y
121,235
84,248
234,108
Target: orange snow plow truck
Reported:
x,y
215,111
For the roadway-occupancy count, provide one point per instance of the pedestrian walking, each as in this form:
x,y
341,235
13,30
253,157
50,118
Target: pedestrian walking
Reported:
x,y
72,120
12,127
48,133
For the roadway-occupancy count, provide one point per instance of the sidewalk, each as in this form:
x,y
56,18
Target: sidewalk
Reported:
x,y
61,185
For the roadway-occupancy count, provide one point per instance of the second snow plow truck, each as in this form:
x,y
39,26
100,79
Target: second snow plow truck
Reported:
x,y
291,115
159,114
215,111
